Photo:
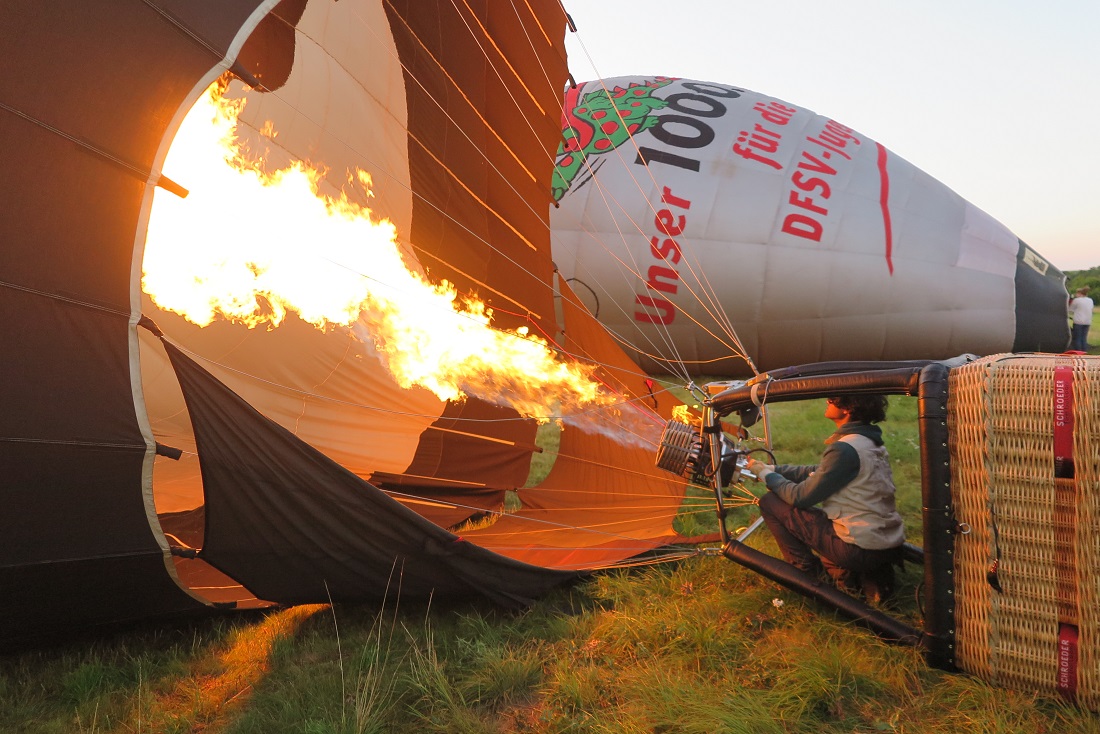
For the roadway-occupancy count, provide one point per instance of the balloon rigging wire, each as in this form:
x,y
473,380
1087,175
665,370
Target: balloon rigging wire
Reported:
x,y
635,269
473,108
460,224
715,309
631,268
660,508
538,22
718,314
551,524
516,104
693,501
503,56
67,299
526,490
488,161
500,77
720,317
588,360
670,343
580,359
550,43
665,333
378,168
639,400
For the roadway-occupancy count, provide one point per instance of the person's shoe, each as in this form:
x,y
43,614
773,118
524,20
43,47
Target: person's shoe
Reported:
x,y
843,579
878,584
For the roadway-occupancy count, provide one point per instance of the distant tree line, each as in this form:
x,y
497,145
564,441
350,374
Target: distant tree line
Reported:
x,y
1081,278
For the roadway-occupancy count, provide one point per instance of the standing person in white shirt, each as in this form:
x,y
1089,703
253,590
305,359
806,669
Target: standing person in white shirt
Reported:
x,y
1080,308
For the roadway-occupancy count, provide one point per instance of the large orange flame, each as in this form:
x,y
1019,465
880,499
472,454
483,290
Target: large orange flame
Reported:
x,y
252,247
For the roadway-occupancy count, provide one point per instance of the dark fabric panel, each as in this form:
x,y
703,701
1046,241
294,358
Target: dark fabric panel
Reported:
x,y
1041,300
70,216
295,527
443,506
66,597
65,373
94,86
88,90
212,23
65,501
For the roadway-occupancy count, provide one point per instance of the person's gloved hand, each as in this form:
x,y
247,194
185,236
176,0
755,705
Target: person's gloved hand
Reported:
x,y
759,468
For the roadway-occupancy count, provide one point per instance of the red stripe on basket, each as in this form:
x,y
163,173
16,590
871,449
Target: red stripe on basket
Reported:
x,y
1065,532
1067,660
1063,422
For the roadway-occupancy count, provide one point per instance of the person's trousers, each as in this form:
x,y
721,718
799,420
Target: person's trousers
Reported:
x,y
800,532
1079,340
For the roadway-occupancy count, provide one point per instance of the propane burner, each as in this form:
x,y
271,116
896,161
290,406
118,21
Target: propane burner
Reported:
x,y
680,449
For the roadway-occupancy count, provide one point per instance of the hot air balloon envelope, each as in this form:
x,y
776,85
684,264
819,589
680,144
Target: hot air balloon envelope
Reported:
x,y
689,211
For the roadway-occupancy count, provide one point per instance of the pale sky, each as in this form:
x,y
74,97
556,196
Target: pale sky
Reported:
x,y
998,99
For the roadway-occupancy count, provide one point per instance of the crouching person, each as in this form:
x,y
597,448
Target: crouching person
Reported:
x,y
856,534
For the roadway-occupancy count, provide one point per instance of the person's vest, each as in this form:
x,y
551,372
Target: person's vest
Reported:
x,y
864,513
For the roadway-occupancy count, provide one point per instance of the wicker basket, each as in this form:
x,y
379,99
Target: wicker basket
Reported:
x,y
1024,440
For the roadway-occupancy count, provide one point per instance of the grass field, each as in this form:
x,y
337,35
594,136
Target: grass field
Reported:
x,y
701,645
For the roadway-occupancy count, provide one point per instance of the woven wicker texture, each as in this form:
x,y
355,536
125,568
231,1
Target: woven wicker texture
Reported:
x,y
1044,530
